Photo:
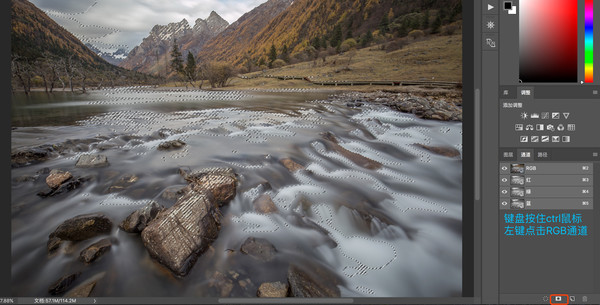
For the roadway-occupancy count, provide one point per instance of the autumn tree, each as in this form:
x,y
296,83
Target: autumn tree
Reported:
x,y
218,73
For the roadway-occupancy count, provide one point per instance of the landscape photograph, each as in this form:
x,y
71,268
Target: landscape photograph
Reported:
x,y
236,148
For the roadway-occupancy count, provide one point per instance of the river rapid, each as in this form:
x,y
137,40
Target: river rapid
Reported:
x,y
391,232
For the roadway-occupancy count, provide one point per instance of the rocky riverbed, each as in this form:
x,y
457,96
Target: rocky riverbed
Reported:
x,y
270,196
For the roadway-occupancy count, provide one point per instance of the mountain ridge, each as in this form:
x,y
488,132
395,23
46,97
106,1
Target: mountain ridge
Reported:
x,y
151,56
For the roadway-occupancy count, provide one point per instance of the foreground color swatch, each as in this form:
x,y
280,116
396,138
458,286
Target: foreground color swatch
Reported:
x,y
548,41
589,41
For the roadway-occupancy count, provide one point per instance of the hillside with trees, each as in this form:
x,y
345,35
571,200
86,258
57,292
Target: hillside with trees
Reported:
x,y
44,54
308,29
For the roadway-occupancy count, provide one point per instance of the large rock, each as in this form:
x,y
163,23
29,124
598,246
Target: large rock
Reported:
x,y
264,204
220,182
182,232
88,161
357,159
95,250
273,290
82,227
259,248
57,177
62,284
139,219
314,283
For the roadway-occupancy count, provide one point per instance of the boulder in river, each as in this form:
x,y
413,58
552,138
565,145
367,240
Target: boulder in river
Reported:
x,y
259,248
180,233
32,155
64,187
139,219
84,289
53,243
124,182
449,152
264,204
357,159
290,164
95,250
91,161
273,290
62,284
57,177
314,283
82,227
170,145
220,182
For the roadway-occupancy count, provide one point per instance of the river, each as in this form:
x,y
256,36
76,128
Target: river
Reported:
x,y
391,232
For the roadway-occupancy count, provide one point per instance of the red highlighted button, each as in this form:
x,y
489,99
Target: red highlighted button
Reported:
x,y
559,299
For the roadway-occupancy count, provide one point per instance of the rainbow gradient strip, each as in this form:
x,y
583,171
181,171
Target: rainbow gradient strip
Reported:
x,y
589,41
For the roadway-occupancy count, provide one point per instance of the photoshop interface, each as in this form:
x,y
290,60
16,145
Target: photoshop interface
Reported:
x,y
527,230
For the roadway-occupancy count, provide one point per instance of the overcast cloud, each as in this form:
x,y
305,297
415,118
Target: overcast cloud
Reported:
x,y
111,24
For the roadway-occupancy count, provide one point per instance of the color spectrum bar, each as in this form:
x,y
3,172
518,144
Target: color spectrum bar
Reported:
x,y
589,41
548,41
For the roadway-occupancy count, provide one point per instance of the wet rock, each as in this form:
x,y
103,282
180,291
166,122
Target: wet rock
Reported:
x,y
57,177
264,204
62,284
43,171
169,145
53,244
32,155
357,159
65,187
449,152
82,227
92,161
81,291
26,178
84,289
316,283
173,193
222,283
259,248
180,233
124,182
139,219
291,165
95,250
219,182
273,290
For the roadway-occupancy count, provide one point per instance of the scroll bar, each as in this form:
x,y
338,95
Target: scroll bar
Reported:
x,y
477,145
286,301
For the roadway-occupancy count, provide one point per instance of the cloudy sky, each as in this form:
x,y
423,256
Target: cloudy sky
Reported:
x,y
112,24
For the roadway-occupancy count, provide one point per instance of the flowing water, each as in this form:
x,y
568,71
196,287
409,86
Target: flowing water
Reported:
x,y
394,231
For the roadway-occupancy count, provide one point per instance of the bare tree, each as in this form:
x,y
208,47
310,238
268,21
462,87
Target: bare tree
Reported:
x,y
22,70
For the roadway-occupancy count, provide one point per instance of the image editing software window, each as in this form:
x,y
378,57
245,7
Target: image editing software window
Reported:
x,y
302,152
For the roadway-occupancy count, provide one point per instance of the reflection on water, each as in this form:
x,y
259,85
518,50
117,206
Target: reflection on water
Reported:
x,y
386,232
